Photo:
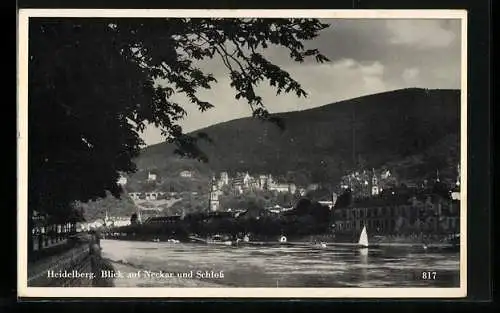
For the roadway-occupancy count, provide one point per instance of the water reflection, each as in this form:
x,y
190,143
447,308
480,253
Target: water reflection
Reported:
x,y
295,266
363,261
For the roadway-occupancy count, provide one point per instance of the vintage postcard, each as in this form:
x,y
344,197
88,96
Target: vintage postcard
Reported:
x,y
242,153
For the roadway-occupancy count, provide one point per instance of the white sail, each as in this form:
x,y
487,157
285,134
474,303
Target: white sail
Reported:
x,y
363,238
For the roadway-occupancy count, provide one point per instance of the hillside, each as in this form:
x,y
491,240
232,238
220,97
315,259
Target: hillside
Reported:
x,y
398,128
97,209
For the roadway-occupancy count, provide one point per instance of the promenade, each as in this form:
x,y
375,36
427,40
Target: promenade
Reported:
x,y
71,265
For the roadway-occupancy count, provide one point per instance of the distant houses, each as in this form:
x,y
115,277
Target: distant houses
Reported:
x,y
152,195
158,195
238,183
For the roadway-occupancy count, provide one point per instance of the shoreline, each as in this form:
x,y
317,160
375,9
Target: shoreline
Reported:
x,y
394,243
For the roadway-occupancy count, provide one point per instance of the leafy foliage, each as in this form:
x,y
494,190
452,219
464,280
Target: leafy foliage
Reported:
x,y
96,209
94,85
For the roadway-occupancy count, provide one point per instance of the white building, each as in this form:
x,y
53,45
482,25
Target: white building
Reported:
x,y
386,174
119,221
279,188
329,204
224,178
135,195
283,187
154,195
122,180
313,187
263,182
247,179
152,177
186,174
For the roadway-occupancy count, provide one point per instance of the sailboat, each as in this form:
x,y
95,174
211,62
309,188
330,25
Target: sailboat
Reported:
x,y
363,239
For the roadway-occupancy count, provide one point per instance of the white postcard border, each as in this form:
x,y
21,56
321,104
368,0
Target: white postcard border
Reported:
x,y
78,292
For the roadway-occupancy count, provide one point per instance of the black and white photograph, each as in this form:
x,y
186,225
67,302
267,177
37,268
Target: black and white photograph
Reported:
x,y
242,153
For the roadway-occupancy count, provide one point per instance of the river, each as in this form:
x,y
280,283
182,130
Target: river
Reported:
x,y
286,266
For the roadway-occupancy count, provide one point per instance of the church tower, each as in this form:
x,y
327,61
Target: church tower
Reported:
x,y
375,187
106,219
214,196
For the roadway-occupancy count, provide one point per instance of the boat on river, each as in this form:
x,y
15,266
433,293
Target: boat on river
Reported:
x,y
219,240
363,241
214,240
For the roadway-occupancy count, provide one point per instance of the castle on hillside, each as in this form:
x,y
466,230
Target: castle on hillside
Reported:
x,y
244,181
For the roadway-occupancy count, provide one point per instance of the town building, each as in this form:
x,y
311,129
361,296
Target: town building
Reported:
x,y
263,182
143,213
283,187
152,177
312,187
385,174
122,180
120,221
243,181
223,180
399,214
330,203
154,195
116,221
238,184
186,174
247,180
135,195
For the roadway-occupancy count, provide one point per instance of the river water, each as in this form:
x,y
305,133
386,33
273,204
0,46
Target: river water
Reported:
x,y
291,266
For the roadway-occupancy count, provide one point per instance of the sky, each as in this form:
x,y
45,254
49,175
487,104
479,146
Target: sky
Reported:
x,y
367,56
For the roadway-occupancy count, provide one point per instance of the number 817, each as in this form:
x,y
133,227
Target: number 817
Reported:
x,y
429,275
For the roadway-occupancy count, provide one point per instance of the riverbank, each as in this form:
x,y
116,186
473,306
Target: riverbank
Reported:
x,y
126,262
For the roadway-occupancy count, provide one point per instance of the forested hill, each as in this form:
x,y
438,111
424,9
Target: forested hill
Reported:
x,y
387,128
